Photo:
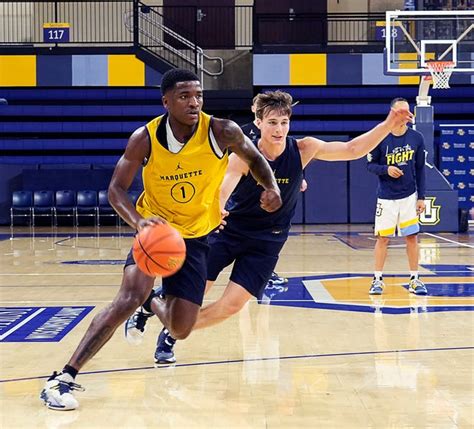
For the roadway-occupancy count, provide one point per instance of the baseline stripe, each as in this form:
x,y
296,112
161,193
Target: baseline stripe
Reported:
x,y
450,241
263,359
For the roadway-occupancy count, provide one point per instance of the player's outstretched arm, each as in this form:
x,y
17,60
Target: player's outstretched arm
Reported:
x,y
137,150
312,148
230,136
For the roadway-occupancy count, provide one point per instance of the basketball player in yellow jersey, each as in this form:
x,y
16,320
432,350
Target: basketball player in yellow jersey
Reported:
x,y
180,179
184,154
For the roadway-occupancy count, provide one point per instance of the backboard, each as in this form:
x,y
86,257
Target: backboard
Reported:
x,y
416,37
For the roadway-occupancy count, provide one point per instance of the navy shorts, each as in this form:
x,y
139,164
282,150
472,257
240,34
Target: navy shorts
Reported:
x,y
254,259
189,282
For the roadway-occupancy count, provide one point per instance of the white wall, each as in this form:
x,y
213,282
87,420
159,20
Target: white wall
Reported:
x,y
341,6
384,5
16,22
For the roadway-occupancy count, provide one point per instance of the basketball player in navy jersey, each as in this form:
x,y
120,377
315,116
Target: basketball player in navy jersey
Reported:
x,y
185,138
251,238
399,163
252,131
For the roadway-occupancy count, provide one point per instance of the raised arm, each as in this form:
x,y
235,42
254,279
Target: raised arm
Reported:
x,y
137,150
312,148
230,136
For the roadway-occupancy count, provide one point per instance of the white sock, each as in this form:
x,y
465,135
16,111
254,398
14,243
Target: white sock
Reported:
x,y
66,377
414,275
378,275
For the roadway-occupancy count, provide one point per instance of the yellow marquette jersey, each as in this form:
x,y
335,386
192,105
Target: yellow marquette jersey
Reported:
x,y
184,187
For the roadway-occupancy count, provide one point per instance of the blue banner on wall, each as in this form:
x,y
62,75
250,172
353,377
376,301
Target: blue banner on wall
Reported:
x,y
455,160
410,4
39,324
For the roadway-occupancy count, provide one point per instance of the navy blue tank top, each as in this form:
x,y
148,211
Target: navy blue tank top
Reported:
x,y
248,218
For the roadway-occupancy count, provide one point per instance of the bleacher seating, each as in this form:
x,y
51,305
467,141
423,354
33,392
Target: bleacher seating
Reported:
x,y
84,125
86,206
43,206
22,206
346,110
92,125
56,128
65,204
72,125
104,209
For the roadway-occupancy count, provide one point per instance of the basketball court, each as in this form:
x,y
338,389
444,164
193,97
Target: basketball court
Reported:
x,y
317,353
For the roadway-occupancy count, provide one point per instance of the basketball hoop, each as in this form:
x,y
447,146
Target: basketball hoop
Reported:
x,y
440,73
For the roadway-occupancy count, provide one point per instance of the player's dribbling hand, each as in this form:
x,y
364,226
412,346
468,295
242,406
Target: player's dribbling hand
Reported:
x,y
394,172
143,223
224,214
398,118
270,200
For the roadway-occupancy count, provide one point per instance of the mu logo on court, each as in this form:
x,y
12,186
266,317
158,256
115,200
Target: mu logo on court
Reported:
x,y
431,215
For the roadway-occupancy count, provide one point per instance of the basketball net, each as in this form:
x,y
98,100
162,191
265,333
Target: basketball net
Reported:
x,y
440,73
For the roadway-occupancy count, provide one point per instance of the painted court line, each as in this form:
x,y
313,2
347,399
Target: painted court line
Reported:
x,y
262,359
31,316
317,291
450,241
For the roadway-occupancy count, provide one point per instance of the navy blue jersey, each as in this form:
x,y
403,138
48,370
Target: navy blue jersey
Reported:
x,y
251,131
407,152
248,218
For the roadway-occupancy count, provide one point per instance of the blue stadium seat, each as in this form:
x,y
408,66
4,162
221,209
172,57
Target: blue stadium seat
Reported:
x,y
87,206
65,205
43,205
22,205
104,209
101,110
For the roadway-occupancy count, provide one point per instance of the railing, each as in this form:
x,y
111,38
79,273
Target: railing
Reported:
x,y
167,44
316,32
181,36
97,23
101,23
210,27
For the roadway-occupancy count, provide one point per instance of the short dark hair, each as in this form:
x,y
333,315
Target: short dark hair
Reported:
x,y
173,76
398,99
273,100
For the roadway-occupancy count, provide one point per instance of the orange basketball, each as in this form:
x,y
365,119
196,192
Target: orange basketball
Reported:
x,y
159,250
